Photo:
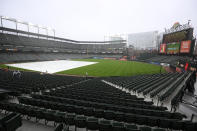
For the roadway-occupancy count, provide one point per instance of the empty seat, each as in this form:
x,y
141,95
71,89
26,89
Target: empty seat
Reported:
x,y
145,128
59,127
117,126
80,122
70,118
130,127
157,129
104,125
92,123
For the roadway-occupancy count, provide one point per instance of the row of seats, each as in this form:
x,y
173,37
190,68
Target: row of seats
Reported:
x,y
122,115
113,93
172,87
10,57
187,85
61,97
38,44
92,123
34,81
30,56
98,98
157,85
157,90
96,90
60,128
131,82
164,59
10,122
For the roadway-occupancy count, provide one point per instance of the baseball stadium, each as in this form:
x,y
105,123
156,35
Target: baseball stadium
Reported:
x,y
142,82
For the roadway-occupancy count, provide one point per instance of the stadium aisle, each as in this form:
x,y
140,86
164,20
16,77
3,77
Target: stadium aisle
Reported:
x,y
187,107
32,126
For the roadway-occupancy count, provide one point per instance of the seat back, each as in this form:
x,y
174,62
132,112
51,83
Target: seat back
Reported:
x,y
59,127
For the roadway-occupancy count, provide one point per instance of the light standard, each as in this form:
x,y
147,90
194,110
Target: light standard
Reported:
x,y
27,24
54,33
2,22
21,22
46,29
9,19
49,28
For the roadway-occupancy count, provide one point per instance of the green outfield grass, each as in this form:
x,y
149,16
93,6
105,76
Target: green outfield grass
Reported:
x,y
113,68
14,68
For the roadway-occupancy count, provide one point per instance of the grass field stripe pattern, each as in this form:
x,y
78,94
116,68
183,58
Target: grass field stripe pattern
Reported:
x,y
113,68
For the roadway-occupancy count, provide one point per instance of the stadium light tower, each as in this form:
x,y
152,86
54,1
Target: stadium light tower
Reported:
x,y
49,28
30,24
27,24
24,23
47,32
189,22
45,28
10,19
21,22
53,32
1,21
16,22
38,30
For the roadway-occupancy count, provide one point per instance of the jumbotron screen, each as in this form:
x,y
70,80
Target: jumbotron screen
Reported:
x,y
178,36
173,48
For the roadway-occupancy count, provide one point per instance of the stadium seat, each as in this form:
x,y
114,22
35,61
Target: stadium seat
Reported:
x,y
157,129
59,127
145,128
105,125
70,119
117,126
130,127
92,123
80,122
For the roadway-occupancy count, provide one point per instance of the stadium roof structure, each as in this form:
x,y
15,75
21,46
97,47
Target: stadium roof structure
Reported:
x,y
28,24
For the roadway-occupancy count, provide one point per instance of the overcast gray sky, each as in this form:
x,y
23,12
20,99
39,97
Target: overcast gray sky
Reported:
x,y
94,19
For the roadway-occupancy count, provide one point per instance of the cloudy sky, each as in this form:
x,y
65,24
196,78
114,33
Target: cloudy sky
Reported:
x,y
96,19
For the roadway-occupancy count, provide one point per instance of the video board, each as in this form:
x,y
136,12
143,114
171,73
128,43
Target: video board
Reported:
x,y
163,48
185,46
173,48
178,36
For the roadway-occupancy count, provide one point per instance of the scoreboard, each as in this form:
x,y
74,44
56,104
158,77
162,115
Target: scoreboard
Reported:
x,y
178,42
173,48
178,36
